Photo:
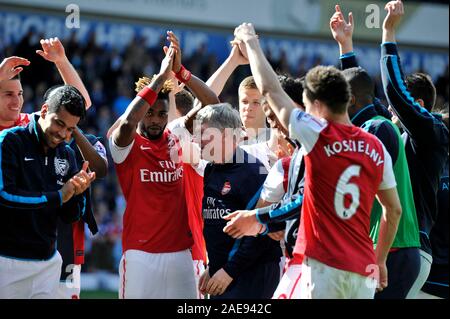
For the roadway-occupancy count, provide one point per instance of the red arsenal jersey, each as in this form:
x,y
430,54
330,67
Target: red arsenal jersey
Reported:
x,y
23,120
345,167
193,183
150,175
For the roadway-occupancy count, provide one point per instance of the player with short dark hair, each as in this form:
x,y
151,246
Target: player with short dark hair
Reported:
x,y
35,164
155,263
421,87
70,236
425,136
70,239
333,236
437,281
403,261
146,153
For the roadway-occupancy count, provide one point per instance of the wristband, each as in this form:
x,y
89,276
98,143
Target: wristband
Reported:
x,y
347,55
148,95
183,75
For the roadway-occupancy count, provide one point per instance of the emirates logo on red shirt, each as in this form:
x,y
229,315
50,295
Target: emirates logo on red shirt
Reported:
x,y
226,188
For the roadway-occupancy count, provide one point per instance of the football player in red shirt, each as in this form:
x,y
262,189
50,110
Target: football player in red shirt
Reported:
x,y
156,261
345,169
11,93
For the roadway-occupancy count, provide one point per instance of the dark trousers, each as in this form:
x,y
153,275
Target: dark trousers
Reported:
x,y
258,282
403,268
437,282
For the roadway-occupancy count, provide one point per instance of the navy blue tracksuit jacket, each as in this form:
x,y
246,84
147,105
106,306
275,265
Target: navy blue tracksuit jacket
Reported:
x,y
252,262
30,200
426,142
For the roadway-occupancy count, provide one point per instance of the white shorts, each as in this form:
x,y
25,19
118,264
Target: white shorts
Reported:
x,y
23,279
315,280
70,288
157,276
199,268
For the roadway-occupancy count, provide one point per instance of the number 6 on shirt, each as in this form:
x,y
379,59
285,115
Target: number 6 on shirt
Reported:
x,y
343,187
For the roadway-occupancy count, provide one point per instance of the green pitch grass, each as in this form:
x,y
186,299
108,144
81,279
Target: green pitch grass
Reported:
x,y
98,294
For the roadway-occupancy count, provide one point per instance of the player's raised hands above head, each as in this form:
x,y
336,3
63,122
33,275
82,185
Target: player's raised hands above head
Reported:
x,y
245,32
341,30
12,66
52,50
167,63
239,52
175,44
395,12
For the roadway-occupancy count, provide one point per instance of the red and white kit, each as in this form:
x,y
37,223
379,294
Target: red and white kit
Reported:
x,y
345,168
156,232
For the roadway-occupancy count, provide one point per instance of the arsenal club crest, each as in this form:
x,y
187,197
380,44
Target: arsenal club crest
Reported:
x,y
226,188
61,166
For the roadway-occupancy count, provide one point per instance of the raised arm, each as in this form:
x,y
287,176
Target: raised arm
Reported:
x,y
343,34
125,131
265,77
53,51
12,66
417,121
178,87
199,88
395,11
217,81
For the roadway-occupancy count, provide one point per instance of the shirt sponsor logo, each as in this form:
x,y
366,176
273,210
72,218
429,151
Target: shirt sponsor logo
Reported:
x,y
170,173
216,213
212,212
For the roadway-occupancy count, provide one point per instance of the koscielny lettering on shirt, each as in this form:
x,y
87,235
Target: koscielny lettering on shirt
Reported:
x,y
354,146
